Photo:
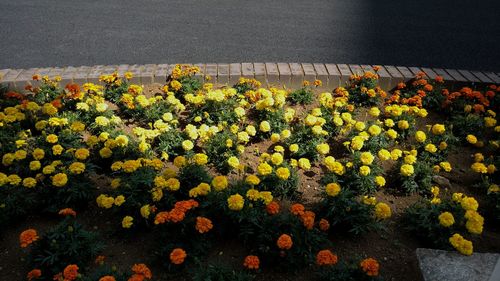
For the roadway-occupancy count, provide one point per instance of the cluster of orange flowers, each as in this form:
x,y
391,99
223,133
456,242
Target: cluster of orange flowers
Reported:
x,y
420,82
480,100
273,208
178,213
307,217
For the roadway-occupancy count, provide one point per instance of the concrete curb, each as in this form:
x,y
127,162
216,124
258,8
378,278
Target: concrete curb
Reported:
x,y
290,74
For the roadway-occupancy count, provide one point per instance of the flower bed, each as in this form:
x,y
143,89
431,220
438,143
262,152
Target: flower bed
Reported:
x,y
295,178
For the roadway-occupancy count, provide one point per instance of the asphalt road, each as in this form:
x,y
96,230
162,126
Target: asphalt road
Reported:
x,y
436,33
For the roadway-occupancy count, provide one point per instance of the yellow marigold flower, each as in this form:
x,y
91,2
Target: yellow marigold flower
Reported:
x,y
304,163
407,170
420,136
127,222
382,211
57,149
374,111
38,153
264,169
220,183
293,148
253,194
438,129
105,152
380,181
180,161
403,124
59,179
233,162
173,184
491,189
479,168
374,130
82,153
283,173
115,183
384,154
323,148
461,244
392,134
366,158
490,122
102,121
145,211
364,170
29,182
277,158
35,165
51,138
235,202
200,158
357,143
332,189
286,134
252,179
446,219
369,200
121,140
119,200
77,167
187,145
264,126
471,139
469,203
14,179
266,197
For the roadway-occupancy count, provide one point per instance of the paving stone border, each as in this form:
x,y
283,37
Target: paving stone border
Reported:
x,y
290,74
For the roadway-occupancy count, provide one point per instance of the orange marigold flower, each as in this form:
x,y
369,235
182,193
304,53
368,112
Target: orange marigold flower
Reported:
x,y
439,79
136,277
37,77
142,269
251,262
67,212
99,259
376,68
177,256
203,225
162,217
297,209
273,208
308,219
34,274
284,242
324,225
27,237
177,215
428,87
401,85
370,266
56,103
107,278
326,257
70,273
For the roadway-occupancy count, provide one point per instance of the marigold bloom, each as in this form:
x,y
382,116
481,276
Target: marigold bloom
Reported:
x,y
297,209
27,237
177,256
326,257
370,266
142,269
67,212
308,219
107,278
284,242
34,274
203,225
70,272
273,208
251,262
324,225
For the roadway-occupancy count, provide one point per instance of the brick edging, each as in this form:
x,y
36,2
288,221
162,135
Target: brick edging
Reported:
x,y
291,74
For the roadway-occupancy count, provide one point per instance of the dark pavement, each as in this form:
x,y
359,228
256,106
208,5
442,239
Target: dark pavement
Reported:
x,y
444,33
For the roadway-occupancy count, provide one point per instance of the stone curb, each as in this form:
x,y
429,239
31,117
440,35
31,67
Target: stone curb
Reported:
x,y
289,74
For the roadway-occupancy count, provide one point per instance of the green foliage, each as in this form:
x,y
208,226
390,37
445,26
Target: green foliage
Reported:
x,y
463,125
192,175
419,182
303,136
346,212
302,96
345,271
67,243
422,219
214,272
170,142
218,151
